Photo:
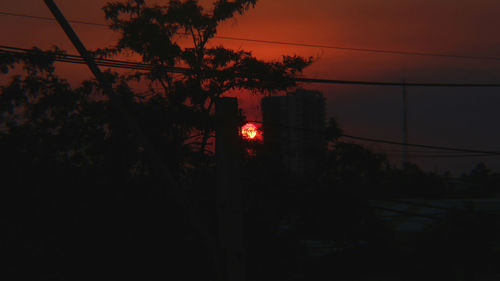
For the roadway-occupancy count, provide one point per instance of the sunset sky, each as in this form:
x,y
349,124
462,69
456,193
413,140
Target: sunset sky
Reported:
x,y
457,117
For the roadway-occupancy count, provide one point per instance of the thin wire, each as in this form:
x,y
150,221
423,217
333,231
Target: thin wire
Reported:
x,y
397,84
421,145
446,156
381,149
100,61
129,65
481,152
50,19
428,154
144,66
392,52
381,51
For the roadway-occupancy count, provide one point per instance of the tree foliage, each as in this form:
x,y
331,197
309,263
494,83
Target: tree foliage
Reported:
x,y
154,33
81,188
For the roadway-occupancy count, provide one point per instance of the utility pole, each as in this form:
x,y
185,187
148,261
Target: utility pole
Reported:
x,y
405,127
229,192
159,169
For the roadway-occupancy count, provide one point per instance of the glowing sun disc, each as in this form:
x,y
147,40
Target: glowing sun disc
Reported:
x,y
249,131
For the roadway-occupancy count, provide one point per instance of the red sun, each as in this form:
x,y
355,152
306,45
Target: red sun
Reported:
x,y
250,132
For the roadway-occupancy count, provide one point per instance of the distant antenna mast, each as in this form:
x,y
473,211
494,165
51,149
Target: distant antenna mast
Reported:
x,y
405,127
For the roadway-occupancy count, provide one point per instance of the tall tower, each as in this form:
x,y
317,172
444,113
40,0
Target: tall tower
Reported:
x,y
294,127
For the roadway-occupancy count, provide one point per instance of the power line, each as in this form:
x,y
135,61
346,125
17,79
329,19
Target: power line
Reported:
x,y
397,84
391,52
421,145
50,19
149,67
445,155
412,151
430,154
79,60
380,51
465,150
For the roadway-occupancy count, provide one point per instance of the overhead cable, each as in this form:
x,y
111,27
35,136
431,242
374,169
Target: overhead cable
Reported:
x,y
321,46
50,19
149,67
390,142
422,145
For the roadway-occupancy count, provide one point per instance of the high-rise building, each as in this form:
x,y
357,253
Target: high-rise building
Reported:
x,y
294,127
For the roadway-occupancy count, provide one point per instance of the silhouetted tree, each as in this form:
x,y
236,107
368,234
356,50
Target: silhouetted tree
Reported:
x,y
355,169
153,34
482,182
81,187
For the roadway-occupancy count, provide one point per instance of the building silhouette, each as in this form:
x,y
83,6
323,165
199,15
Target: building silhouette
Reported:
x,y
293,128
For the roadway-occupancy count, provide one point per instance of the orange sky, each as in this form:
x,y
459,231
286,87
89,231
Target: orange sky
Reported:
x,y
445,26
436,116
